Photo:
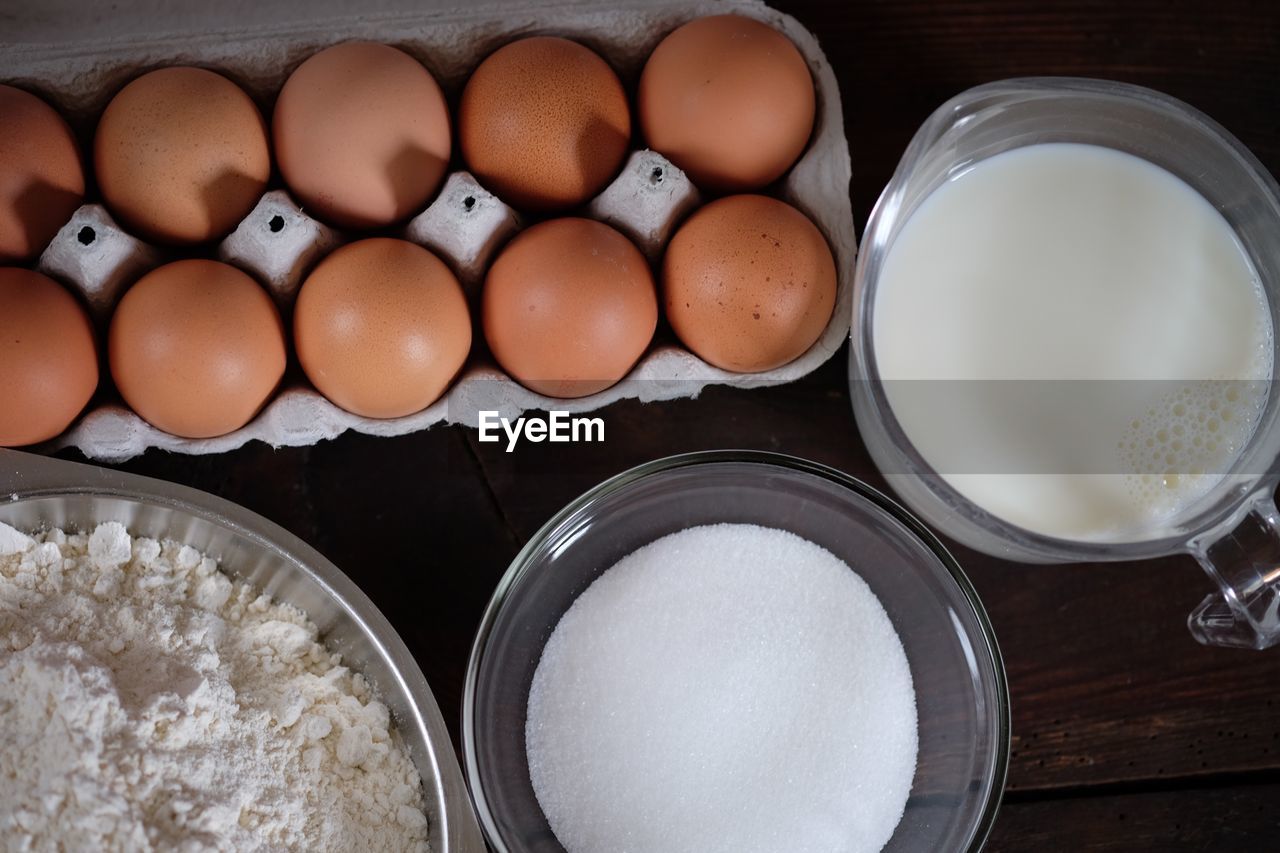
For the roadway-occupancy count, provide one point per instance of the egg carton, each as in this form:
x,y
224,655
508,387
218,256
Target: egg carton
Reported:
x,y
79,68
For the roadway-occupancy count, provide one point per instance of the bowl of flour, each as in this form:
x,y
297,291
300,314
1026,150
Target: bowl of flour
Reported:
x,y
177,673
735,652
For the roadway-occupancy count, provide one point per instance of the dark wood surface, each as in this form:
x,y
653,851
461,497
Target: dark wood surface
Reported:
x,y
1127,735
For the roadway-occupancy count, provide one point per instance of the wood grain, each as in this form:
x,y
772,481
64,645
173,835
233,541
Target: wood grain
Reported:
x,y
1127,735
897,60
1237,818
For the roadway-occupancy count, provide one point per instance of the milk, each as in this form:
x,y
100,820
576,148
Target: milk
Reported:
x,y
1073,262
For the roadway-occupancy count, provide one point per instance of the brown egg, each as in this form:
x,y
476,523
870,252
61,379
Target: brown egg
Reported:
x,y
382,327
362,136
181,155
748,283
48,359
196,348
41,178
569,307
544,123
729,100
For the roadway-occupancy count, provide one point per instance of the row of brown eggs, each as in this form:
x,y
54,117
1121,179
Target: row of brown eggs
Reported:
x,y
381,326
362,134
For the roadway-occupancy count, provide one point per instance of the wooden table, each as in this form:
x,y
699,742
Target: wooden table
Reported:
x,y
1127,735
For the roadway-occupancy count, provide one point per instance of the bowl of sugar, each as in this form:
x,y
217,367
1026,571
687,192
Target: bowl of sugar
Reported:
x,y
735,651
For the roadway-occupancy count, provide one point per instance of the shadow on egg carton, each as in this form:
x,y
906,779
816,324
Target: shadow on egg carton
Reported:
x,y
279,244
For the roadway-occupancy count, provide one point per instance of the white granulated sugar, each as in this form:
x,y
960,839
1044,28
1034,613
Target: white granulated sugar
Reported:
x,y
149,702
725,688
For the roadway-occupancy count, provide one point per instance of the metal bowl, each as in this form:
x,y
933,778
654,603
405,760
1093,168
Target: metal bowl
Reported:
x,y
37,493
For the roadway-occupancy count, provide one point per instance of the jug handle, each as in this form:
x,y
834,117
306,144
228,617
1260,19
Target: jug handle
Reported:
x,y
1244,561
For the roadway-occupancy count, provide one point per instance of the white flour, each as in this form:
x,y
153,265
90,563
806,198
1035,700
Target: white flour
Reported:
x,y
148,702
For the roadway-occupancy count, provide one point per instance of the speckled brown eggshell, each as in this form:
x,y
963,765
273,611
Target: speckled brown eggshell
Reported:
x,y
749,283
569,307
181,155
729,100
197,348
41,176
544,123
361,132
381,328
48,359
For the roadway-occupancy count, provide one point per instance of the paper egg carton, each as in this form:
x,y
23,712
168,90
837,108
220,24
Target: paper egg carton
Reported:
x,y
466,225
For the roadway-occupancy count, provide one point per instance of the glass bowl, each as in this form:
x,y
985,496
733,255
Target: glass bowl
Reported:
x,y
1231,530
961,694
